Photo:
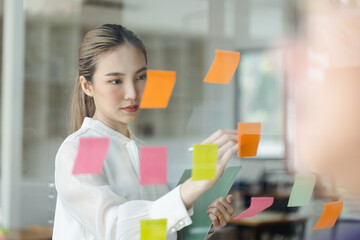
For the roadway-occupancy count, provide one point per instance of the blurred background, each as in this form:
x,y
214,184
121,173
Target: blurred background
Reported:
x,y
298,75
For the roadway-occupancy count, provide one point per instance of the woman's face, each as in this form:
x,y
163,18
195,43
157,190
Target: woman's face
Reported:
x,y
118,84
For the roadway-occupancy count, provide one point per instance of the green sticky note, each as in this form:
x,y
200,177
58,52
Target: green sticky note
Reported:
x,y
154,229
201,221
204,161
302,190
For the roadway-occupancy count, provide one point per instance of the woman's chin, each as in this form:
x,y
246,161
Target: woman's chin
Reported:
x,y
128,119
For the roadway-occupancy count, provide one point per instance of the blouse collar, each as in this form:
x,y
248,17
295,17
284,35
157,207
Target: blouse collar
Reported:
x,y
96,124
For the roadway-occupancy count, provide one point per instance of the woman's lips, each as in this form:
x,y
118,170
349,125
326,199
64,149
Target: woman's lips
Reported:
x,y
131,108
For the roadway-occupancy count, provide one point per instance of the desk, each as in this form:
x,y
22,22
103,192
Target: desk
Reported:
x,y
270,223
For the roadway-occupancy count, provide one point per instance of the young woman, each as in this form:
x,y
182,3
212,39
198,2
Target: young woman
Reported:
x,y
110,205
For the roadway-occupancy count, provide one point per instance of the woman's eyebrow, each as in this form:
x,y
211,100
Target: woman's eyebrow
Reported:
x,y
141,69
122,74
114,74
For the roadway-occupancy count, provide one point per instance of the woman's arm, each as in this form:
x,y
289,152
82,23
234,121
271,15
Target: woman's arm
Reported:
x,y
90,200
227,141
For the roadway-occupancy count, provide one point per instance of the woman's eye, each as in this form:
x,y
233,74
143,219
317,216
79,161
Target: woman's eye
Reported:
x,y
117,81
142,77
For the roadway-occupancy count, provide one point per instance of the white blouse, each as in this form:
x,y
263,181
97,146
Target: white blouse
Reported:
x,y
110,205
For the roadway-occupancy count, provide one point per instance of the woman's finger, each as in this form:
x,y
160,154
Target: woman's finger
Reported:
x,y
229,198
214,220
220,220
224,207
226,202
225,139
224,148
217,134
222,200
214,217
227,205
228,154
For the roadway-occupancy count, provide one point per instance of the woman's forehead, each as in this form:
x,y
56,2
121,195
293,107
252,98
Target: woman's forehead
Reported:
x,y
125,58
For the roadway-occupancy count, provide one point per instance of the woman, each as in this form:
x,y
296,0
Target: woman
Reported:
x,y
110,205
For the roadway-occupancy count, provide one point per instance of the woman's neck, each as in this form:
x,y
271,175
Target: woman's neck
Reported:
x,y
117,126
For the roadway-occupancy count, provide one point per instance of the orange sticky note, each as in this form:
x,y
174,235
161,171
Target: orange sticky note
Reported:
x,y
223,67
329,216
249,138
158,89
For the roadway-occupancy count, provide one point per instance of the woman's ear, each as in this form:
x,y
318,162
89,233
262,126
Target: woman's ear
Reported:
x,y
86,86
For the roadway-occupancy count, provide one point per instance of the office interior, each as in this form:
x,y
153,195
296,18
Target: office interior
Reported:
x,y
298,73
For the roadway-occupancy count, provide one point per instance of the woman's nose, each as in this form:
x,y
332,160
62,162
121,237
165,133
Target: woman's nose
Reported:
x,y
130,91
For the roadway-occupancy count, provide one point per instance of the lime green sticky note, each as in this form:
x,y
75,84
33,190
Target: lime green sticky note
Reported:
x,y
154,229
204,161
302,190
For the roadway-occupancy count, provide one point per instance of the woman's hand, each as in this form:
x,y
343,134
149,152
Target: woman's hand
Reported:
x,y
220,211
227,141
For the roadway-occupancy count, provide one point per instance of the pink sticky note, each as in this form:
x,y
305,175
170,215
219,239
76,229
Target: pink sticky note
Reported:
x,y
91,155
257,205
153,165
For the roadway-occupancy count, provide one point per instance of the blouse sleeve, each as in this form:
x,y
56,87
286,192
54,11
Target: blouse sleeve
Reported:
x,y
91,201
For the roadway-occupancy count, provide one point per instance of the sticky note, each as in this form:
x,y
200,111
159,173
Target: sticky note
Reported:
x,y
223,67
249,138
204,161
302,190
91,155
257,205
329,216
158,89
153,229
153,165
201,221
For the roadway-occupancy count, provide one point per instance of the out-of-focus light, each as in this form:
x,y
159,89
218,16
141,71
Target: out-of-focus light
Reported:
x,y
345,2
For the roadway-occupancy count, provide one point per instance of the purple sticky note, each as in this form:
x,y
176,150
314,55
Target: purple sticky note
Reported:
x,y
91,155
153,165
257,205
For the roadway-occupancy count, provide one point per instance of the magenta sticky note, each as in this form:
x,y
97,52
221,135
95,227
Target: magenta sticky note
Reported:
x,y
153,165
91,155
257,205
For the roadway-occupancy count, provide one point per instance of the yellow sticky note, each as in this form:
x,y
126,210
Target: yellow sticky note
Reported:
x,y
158,89
154,229
223,67
204,161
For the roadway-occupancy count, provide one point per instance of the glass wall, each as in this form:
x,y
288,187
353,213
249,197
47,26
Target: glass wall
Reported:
x,y
179,35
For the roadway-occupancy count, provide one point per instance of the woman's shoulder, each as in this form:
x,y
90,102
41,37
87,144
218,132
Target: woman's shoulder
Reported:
x,y
75,136
71,142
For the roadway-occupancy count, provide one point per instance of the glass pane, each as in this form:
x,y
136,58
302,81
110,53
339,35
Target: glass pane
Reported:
x,y
260,98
